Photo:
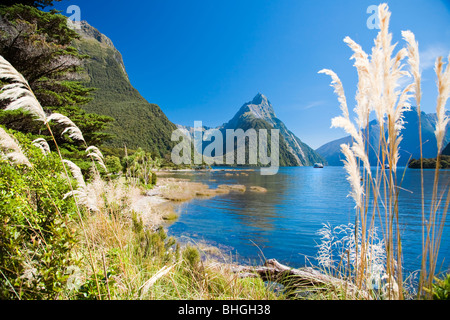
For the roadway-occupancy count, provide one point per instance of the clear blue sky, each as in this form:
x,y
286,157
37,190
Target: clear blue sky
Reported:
x,y
203,59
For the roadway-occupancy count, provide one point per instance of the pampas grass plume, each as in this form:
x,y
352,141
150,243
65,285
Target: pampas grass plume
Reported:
x,y
19,92
71,127
43,145
354,177
443,84
11,150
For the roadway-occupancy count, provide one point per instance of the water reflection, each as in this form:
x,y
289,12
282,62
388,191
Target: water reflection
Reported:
x,y
283,222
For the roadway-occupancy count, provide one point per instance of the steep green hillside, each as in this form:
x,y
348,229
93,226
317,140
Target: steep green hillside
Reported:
x,y
138,123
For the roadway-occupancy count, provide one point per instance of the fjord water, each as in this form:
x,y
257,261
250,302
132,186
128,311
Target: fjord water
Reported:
x,y
283,222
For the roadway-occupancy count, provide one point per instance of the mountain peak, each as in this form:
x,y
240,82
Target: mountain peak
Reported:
x,y
261,108
260,99
86,31
259,114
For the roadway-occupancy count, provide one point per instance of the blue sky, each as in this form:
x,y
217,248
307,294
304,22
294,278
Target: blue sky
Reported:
x,y
201,60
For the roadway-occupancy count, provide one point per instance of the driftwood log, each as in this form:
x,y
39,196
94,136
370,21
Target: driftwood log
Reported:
x,y
298,279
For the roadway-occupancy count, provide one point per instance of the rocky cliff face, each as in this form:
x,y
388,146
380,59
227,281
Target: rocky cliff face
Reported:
x,y
86,31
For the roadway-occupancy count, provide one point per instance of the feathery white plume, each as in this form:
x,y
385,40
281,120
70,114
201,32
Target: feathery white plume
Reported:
x,y
345,122
19,92
443,84
8,72
11,150
95,150
338,89
414,62
74,133
98,159
43,145
354,177
77,174
82,191
72,129
362,64
96,154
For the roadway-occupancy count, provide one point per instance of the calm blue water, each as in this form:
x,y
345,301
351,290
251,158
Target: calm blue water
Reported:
x,y
283,222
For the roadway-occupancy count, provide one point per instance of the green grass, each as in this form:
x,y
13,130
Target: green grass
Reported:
x,y
130,254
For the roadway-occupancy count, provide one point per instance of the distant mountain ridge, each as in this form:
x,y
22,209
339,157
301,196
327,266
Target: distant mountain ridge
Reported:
x,y
139,123
409,146
260,114
446,150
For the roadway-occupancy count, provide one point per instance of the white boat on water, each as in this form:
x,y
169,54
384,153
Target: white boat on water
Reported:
x,y
318,165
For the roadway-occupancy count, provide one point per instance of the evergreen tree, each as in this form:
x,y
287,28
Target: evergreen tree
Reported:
x,y
39,45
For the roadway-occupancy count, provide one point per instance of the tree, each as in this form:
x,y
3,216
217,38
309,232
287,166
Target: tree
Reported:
x,y
138,168
39,45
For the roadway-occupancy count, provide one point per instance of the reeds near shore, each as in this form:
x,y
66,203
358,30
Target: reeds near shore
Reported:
x,y
376,192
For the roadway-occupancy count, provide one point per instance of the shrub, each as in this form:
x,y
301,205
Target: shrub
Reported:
x,y
36,235
113,164
441,288
191,256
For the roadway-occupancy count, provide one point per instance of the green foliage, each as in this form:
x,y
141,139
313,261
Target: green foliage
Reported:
x,y
113,164
39,45
441,288
138,123
154,178
105,279
152,244
192,256
138,168
430,163
36,236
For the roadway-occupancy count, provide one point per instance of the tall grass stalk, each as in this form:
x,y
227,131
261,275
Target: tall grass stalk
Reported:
x,y
434,225
379,91
21,96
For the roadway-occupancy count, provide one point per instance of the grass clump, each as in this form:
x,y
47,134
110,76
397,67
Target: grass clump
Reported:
x,y
376,191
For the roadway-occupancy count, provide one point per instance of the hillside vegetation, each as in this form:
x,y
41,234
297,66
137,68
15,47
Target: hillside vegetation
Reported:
x,y
138,123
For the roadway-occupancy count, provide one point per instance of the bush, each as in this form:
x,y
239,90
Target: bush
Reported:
x,y
191,256
150,243
154,178
113,164
441,288
36,238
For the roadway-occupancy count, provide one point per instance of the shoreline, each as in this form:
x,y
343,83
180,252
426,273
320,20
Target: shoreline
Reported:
x,y
158,206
